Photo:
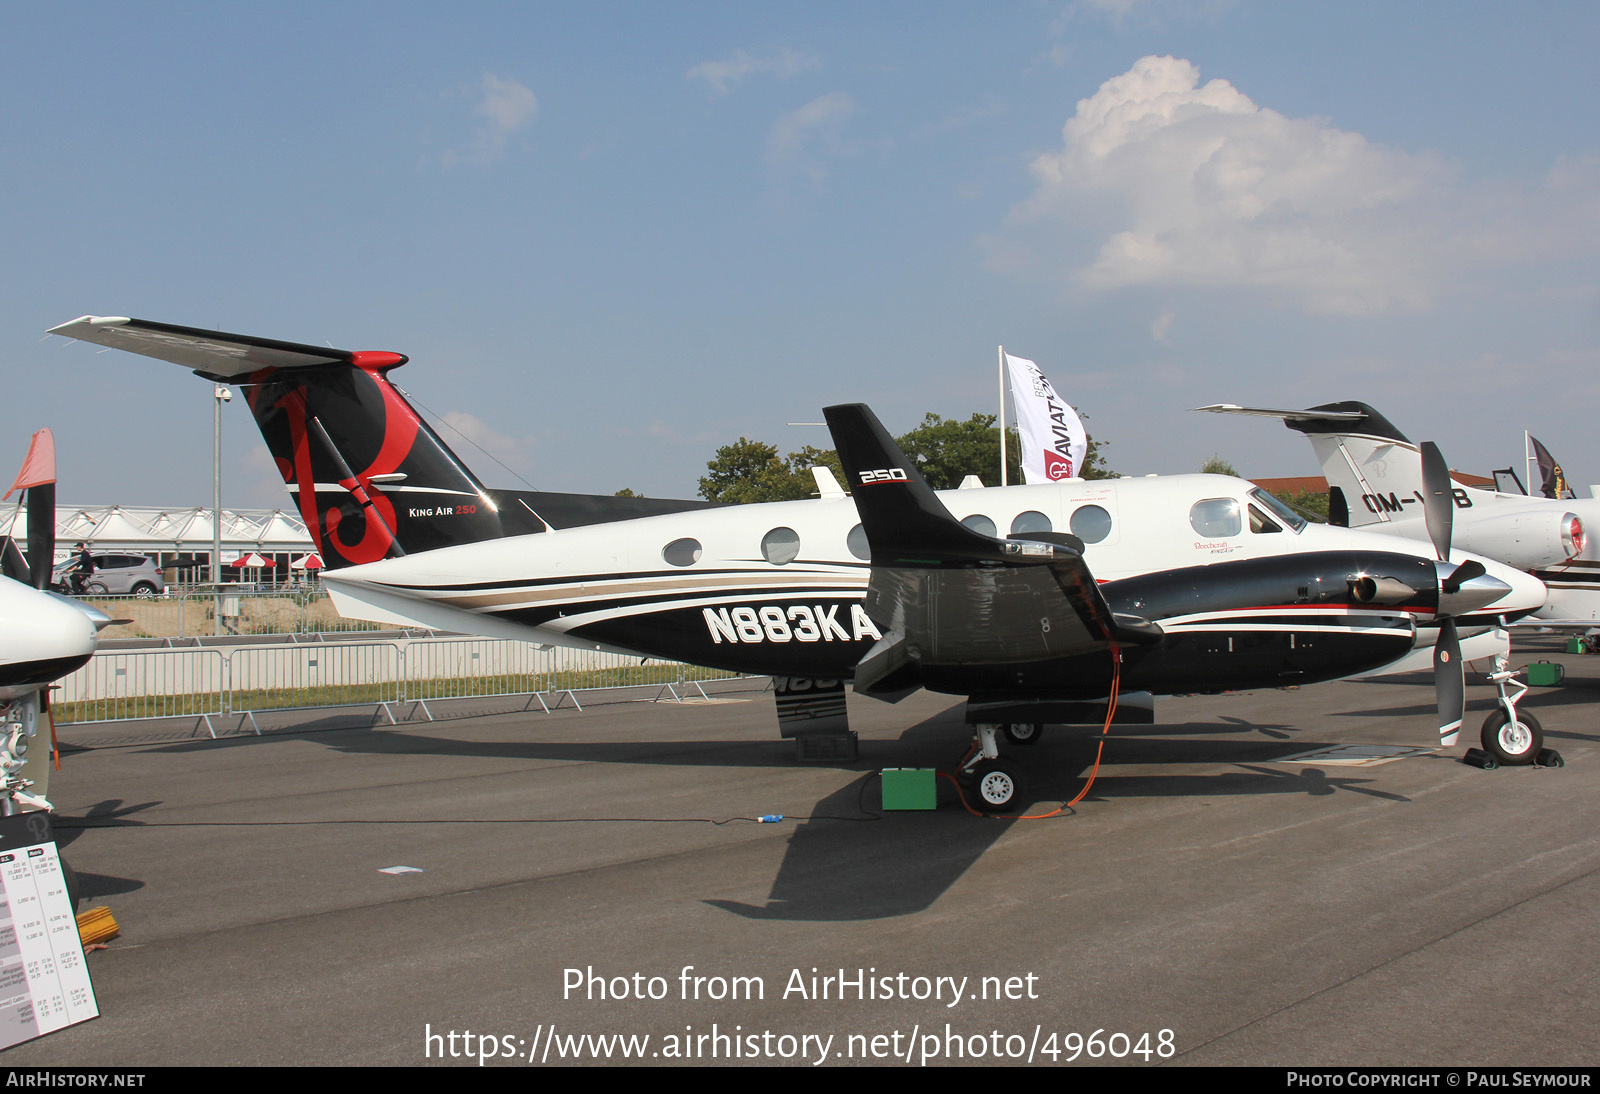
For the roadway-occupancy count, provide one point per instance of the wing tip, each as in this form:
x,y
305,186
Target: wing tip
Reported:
x,y
90,321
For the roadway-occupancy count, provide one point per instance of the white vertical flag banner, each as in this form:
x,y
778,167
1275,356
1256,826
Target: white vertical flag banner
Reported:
x,y
1053,441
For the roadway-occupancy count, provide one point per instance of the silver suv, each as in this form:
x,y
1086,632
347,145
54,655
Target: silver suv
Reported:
x,y
113,573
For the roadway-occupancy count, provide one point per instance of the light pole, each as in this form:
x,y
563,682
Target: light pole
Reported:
x,y
220,394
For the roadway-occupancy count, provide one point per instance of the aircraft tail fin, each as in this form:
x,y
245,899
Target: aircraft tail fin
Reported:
x,y
905,522
371,478
1374,471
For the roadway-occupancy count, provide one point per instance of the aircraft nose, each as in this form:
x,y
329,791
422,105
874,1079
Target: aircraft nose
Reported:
x,y
44,627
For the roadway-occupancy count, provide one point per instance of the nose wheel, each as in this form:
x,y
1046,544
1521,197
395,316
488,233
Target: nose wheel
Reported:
x,y
995,784
1511,736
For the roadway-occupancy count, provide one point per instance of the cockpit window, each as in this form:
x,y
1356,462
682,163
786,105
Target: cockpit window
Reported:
x,y
1216,518
1278,509
1260,522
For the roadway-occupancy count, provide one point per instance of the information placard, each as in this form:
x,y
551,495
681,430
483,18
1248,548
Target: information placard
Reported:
x,y
44,980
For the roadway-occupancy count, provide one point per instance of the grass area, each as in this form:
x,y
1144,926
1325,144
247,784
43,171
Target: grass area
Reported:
x,y
185,616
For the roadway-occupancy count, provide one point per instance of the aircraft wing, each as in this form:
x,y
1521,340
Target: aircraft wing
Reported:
x,y
214,354
1286,415
949,596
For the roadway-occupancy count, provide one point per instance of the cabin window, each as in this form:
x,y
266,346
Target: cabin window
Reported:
x,y
980,524
1090,523
1216,518
857,542
1031,521
681,552
780,545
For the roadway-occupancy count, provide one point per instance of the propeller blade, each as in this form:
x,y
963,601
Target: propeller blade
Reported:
x,y
38,478
41,533
1463,573
1438,506
1449,682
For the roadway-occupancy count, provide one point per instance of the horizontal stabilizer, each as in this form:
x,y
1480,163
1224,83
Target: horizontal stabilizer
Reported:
x,y
1352,418
216,354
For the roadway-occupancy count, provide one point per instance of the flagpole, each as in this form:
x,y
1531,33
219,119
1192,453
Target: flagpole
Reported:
x,y
1002,377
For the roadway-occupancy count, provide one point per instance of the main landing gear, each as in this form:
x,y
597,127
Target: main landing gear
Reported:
x,y
1511,736
995,783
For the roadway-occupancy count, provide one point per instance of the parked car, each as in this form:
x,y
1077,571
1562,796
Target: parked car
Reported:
x,y
113,574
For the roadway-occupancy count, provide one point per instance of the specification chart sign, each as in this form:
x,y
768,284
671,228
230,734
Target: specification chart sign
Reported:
x,y
44,981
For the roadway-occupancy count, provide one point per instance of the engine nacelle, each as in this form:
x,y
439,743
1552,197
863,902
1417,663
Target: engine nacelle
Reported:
x,y
1528,541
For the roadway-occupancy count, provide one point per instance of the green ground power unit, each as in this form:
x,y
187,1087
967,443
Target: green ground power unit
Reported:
x,y
910,788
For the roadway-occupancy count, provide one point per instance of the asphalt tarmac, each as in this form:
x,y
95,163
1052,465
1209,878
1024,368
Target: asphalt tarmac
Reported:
x,y
591,887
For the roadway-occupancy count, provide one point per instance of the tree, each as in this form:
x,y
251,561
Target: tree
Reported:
x,y
1216,465
1093,466
750,471
945,450
1309,503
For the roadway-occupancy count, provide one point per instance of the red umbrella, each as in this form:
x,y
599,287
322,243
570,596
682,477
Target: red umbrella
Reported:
x,y
309,562
251,561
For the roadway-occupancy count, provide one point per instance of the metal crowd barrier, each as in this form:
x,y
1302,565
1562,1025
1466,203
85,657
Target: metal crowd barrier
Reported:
x,y
209,684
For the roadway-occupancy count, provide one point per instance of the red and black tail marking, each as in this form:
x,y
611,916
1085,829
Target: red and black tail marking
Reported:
x,y
371,478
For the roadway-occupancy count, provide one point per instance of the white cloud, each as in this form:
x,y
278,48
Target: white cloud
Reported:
x,y
502,108
802,139
720,76
1179,183
513,452
1162,324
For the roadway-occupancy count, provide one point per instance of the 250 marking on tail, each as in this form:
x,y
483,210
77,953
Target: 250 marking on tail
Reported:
x,y
887,474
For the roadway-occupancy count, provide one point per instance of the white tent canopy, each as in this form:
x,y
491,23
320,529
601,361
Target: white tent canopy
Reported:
x,y
176,530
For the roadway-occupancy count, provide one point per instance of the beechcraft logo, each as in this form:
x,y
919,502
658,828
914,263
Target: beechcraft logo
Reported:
x,y
888,474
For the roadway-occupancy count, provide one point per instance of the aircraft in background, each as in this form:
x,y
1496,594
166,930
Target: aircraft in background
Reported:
x,y
43,636
1200,583
1376,481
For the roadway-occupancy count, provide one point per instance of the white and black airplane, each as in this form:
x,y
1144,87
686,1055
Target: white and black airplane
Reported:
x,y
1194,583
1376,481
43,636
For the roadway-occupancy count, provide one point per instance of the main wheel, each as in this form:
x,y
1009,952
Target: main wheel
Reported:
x,y
996,787
1023,733
1512,743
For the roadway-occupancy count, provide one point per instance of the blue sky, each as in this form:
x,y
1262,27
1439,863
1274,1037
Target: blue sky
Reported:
x,y
612,237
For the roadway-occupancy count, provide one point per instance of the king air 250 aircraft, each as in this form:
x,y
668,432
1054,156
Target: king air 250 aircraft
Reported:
x,y
1199,583
43,636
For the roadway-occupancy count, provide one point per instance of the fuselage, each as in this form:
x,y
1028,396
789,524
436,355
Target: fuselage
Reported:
x,y
778,588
